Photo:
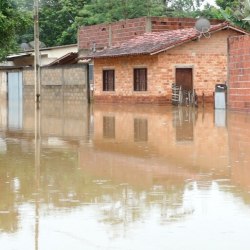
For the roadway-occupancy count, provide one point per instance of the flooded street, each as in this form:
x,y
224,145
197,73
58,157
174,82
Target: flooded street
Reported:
x,y
124,178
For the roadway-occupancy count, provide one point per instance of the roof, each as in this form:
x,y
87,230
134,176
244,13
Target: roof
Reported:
x,y
20,55
53,48
69,58
156,42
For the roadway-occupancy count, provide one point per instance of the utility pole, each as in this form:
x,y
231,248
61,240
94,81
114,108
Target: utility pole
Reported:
x,y
37,91
37,54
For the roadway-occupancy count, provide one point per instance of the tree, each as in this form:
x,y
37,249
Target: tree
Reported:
x,y
183,8
12,22
56,18
235,11
103,11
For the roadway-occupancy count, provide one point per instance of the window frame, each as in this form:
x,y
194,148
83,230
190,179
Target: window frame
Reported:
x,y
106,85
140,79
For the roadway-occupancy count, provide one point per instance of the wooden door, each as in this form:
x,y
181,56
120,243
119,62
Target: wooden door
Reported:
x,y
184,78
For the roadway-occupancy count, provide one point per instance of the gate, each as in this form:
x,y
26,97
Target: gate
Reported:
x,y
15,100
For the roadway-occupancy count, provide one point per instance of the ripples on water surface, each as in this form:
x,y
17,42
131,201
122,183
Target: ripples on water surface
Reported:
x,y
131,177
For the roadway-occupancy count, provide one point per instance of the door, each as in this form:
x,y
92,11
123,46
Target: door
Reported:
x,y
184,78
15,100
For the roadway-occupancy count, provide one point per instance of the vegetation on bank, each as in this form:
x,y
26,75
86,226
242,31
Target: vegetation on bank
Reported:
x,y
60,19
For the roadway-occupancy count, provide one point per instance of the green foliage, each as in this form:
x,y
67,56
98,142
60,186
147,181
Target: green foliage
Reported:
x,y
59,20
210,12
103,11
12,22
223,4
185,6
235,11
56,19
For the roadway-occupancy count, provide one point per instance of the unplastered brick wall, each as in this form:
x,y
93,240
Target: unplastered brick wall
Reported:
x,y
123,67
104,35
207,57
171,23
239,73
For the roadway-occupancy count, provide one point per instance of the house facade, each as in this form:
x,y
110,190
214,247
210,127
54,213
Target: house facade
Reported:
x,y
143,69
47,56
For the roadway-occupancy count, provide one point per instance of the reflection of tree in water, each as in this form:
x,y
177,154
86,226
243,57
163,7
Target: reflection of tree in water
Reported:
x,y
64,186
8,211
127,204
9,221
228,187
16,177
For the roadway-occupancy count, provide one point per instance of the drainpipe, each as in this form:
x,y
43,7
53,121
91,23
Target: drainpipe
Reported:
x,y
88,85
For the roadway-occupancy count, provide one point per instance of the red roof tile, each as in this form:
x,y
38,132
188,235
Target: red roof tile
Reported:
x,y
155,42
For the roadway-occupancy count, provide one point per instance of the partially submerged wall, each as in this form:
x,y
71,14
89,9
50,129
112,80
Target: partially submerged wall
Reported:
x,y
3,85
239,73
61,82
206,57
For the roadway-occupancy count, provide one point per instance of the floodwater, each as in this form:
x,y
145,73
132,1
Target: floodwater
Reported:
x,y
124,178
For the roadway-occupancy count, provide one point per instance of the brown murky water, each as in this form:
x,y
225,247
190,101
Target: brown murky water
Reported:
x,y
129,178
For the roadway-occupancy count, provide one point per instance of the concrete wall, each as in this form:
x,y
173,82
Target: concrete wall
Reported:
x,y
207,57
239,73
3,85
62,82
104,35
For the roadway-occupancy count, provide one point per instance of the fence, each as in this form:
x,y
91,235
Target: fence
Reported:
x,y
182,96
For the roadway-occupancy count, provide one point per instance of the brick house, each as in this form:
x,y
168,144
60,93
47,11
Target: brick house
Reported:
x,y
239,73
142,69
105,35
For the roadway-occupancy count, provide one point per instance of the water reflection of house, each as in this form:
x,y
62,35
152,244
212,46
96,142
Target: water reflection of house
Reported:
x,y
142,70
144,139
134,159
239,150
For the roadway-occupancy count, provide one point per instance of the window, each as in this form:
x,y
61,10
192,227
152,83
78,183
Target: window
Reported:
x,y
108,80
140,79
109,127
140,130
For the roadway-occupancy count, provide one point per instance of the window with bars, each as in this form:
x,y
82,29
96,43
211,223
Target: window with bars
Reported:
x,y
140,79
109,80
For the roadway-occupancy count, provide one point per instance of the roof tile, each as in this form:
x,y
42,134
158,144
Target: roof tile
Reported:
x,y
154,42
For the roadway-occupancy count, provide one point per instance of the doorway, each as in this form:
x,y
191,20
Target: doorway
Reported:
x,y
15,100
184,78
